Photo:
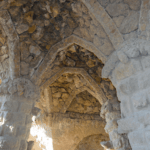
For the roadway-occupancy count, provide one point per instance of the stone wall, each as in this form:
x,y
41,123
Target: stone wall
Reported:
x,y
90,59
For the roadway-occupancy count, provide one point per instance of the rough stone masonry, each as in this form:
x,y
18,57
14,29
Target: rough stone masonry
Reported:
x,y
76,69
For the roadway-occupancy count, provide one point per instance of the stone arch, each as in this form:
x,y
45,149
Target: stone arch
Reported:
x,y
130,75
62,45
110,106
104,19
99,93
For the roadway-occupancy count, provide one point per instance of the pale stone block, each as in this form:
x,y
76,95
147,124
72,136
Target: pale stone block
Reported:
x,y
137,138
132,52
110,126
25,108
126,70
117,9
139,100
10,106
9,130
143,80
8,142
145,62
144,117
129,86
122,57
22,28
114,135
133,4
112,115
7,116
23,145
18,118
34,50
28,120
21,132
128,124
130,23
126,108
24,68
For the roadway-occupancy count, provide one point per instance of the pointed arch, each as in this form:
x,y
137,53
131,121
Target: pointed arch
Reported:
x,y
99,94
73,39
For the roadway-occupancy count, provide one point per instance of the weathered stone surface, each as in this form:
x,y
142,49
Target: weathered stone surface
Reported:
x,y
130,23
133,4
22,28
117,9
118,20
24,68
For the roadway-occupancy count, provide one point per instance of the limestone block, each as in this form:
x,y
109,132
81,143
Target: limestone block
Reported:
x,y
7,116
23,145
117,143
110,126
18,118
3,57
130,23
143,79
24,68
118,20
1,68
128,124
21,132
114,135
38,34
103,44
144,117
8,143
139,100
4,50
12,89
122,57
10,106
126,108
9,130
115,115
110,65
34,50
132,52
108,145
104,3
126,70
130,35
5,64
133,4
25,108
137,138
22,28
145,62
28,120
117,9
70,62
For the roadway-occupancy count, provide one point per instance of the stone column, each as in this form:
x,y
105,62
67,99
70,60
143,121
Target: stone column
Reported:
x,y
17,100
